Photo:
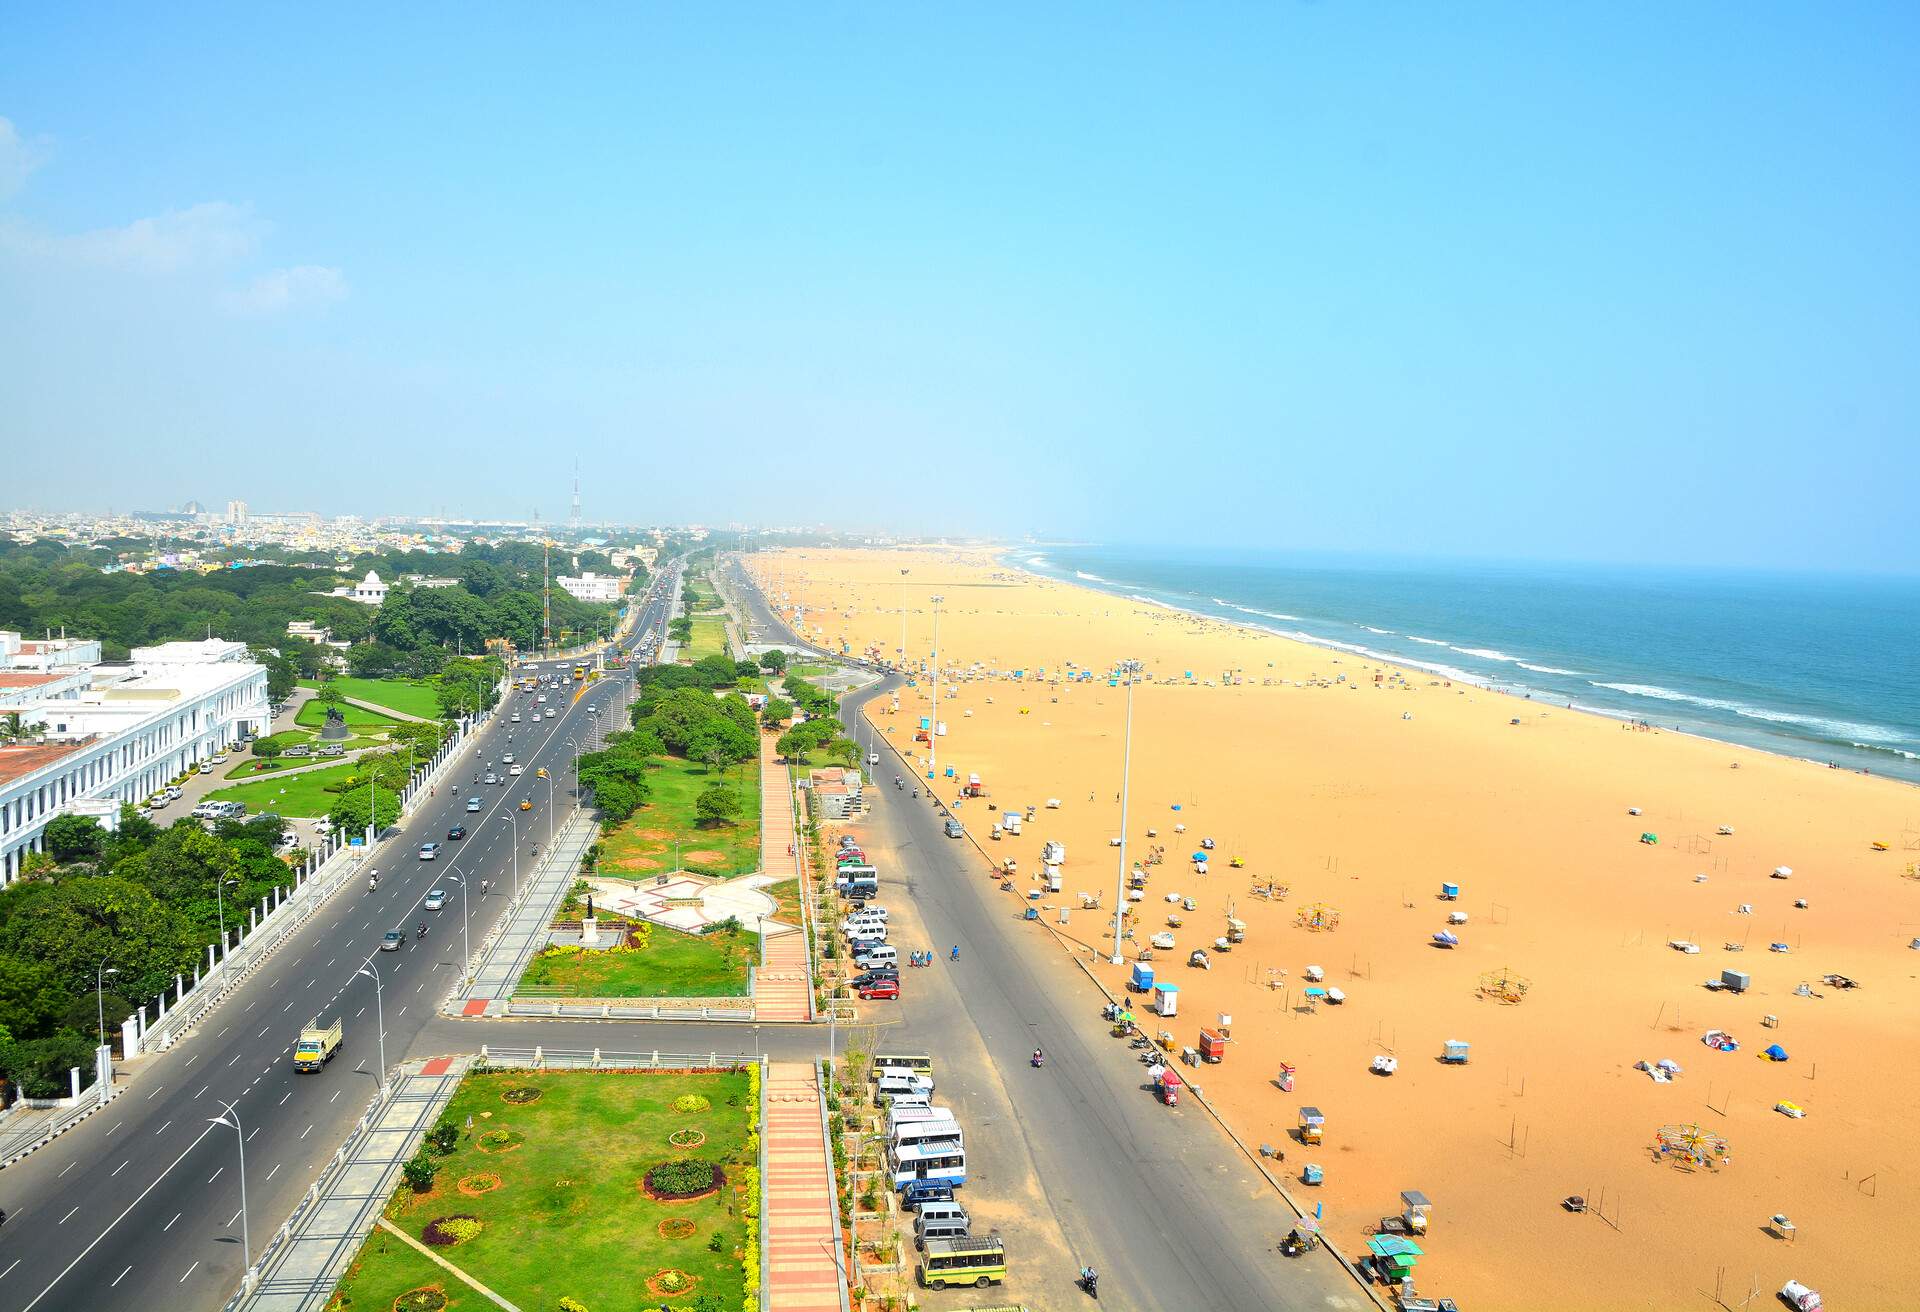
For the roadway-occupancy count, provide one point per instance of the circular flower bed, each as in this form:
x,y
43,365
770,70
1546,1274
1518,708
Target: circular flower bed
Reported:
x,y
521,1095
429,1298
669,1282
676,1227
687,1138
446,1231
678,1181
691,1102
502,1140
475,1185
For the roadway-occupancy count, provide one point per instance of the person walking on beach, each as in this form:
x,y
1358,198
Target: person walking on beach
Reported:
x,y
955,954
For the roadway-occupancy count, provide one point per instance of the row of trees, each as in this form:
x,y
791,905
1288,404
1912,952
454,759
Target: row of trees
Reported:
x,y
130,909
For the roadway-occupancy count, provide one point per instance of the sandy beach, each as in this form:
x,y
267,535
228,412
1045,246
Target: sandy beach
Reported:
x,y
1364,787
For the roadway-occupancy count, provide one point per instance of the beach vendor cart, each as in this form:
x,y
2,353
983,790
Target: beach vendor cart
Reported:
x,y
1391,1258
1141,980
1213,1046
1166,998
1313,1126
1415,1208
1304,1236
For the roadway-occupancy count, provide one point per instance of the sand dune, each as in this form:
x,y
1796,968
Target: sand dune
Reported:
x,y
1364,787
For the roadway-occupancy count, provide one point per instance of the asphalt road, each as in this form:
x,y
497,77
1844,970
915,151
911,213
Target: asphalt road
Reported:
x,y
140,1205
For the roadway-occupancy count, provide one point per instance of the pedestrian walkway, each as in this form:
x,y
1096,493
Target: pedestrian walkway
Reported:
x,y
804,1269
503,954
312,1251
783,986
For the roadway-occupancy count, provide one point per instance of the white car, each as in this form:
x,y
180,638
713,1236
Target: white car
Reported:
x,y
516,717
507,757
436,899
543,696
514,768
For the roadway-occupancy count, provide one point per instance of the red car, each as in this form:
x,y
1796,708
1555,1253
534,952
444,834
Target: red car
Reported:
x,y
881,988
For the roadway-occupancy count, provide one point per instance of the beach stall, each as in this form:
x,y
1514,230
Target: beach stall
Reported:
x,y
1450,892
1141,980
1213,1046
1393,1257
1774,1052
1454,1052
1166,998
1313,1126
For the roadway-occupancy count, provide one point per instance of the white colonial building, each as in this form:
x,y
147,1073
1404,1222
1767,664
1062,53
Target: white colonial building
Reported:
x,y
94,736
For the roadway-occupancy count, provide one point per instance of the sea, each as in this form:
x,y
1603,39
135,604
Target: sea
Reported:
x,y
1823,667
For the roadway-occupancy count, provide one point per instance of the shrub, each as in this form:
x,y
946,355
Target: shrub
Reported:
x,y
445,1136
683,1178
571,1305
445,1231
691,1102
420,1170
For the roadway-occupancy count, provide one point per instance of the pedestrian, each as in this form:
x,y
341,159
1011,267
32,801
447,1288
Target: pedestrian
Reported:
x,y
955,954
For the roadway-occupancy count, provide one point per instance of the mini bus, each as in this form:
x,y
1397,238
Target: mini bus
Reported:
x,y
911,1063
941,1160
975,1261
891,1086
932,1130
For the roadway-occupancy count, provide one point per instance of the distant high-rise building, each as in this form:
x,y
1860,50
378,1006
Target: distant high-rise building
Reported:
x,y
236,512
573,518
193,508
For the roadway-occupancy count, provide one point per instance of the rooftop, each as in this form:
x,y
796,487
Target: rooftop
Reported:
x,y
17,762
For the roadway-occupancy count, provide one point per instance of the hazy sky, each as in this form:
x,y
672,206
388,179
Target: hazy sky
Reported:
x,y
1608,281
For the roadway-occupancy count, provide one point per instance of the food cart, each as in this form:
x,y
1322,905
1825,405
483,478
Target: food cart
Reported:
x,y
1141,980
1213,1046
1166,998
1313,1126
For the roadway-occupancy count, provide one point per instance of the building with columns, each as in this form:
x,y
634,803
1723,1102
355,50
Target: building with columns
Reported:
x,y
87,738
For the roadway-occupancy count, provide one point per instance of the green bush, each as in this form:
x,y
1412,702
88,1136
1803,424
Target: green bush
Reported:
x,y
687,1176
420,1170
445,1136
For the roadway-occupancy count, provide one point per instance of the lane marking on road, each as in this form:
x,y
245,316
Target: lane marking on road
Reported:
x,y
336,1094
232,1219
190,1270
10,1266
68,1217
215,1175
203,1091
191,1060
236,1057
330,961
118,1169
163,1129
68,1167
288,1007
250,1133
275,1171
263,1032
156,1089
117,1279
223,1030
403,1011
304,1133
169,1225
283,1098
116,1125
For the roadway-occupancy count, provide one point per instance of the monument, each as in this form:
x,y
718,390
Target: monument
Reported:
x,y
589,927
335,729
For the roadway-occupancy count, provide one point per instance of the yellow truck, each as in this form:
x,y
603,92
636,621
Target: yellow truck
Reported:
x,y
317,1045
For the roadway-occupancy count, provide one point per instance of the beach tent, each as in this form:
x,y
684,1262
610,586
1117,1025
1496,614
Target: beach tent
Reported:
x,y
1649,837
1775,1052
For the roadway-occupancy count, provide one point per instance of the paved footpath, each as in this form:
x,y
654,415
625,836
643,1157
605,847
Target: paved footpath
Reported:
x,y
782,987
802,1231
340,1211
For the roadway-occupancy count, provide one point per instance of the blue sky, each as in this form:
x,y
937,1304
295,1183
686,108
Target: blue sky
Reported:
x,y
1631,283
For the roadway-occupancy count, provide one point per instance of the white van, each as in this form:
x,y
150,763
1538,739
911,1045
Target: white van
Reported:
x,y
913,1086
869,955
872,911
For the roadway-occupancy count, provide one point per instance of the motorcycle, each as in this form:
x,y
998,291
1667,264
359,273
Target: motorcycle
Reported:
x,y
1039,1059
420,933
1090,1281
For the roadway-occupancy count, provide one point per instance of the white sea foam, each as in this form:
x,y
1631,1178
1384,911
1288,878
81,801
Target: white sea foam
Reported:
x,y
1431,642
1842,729
1091,578
1545,669
1268,614
1370,629
1485,653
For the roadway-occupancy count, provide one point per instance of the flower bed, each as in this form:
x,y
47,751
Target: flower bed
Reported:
x,y
520,1096
678,1181
691,1102
446,1231
502,1140
665,1284
676,1227
430,1298
475,1185
687,1138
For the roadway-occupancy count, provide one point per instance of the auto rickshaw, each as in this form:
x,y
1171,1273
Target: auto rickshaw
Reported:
x,y
526,804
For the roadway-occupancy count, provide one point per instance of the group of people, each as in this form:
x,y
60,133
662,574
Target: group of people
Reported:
x,y
926,958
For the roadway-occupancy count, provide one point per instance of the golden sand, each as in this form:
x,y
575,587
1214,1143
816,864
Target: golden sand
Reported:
x,y
1364,787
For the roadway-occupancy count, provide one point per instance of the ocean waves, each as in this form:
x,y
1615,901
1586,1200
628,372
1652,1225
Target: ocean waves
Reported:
x,y
1851,732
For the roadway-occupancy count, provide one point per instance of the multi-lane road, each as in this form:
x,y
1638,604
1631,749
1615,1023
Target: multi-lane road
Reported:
x,y
139,1206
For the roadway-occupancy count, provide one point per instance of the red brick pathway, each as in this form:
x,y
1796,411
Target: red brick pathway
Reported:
x,y
803,1256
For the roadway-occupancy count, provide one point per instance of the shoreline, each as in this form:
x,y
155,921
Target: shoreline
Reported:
x,y
1451,673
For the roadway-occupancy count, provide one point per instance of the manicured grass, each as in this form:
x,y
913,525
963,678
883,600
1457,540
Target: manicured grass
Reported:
x,y
569,1219
643,844
786,901
313,715
810,669
254,766
672,965
709,638
303,795
407,696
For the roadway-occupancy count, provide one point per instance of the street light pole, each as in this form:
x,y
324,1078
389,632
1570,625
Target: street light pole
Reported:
x,y
219,905
232,1117
933,737
549,812
100,994
466,943
1131,670
372,972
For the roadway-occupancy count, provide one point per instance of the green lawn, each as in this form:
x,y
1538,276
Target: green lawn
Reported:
x,y
302,795
809,669
709,638
313,715
569,1219
786,901
407,696
252,766
672,965
643,844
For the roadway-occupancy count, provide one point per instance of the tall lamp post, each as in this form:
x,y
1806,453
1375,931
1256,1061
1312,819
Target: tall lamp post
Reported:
x,y
231,1116
933,737
372,972
513,819
100,974
1131,671
219,905
466,944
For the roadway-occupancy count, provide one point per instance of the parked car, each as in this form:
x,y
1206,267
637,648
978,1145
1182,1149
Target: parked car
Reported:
x,y
436,899
916,1192
881,989
868,977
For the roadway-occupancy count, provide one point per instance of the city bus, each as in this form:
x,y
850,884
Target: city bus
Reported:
x,y
939,1127
941,1160
980,1262
579,673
